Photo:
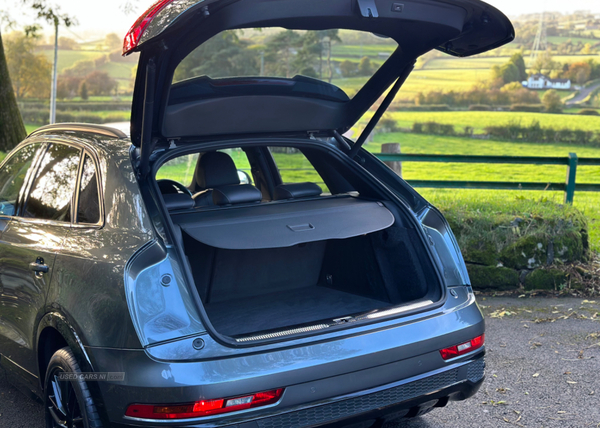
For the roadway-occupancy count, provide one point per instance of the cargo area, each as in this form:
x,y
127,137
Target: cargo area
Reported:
x,y
247,290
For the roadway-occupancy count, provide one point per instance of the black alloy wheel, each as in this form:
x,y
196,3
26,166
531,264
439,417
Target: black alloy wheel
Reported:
x,y
68,403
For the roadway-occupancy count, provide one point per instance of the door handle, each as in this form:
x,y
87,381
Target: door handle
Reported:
x,y
38,266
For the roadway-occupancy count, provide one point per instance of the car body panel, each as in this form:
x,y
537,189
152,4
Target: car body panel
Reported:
x,y
92,259
23,291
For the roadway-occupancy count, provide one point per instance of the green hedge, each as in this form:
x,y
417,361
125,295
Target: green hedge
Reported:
x,y
41,117
527,108
532,133
437,107
77,106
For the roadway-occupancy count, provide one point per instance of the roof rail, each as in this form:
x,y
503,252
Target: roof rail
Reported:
x,y
81,127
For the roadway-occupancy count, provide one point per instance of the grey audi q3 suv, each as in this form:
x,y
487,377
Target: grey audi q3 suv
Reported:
x,y
233,259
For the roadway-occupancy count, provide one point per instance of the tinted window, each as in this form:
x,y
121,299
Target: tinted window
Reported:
x,y
89,206
346,59
293,167
12,176
52,190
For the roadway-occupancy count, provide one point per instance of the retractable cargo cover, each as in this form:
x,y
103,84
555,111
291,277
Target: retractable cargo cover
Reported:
x,y
285,224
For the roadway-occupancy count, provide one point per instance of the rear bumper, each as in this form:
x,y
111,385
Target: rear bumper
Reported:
x,y
396,400
393,369
407,397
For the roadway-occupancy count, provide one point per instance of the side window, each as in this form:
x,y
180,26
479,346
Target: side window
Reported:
x,y
52,190
12,177
293,167
88,210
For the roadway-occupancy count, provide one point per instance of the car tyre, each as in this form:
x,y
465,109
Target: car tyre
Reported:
x,y
68,403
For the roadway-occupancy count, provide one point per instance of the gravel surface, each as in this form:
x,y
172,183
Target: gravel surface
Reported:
x,y
543,370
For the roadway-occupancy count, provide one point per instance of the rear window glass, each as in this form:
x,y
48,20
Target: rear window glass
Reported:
x,y
344,58
52,191
88,210
294,167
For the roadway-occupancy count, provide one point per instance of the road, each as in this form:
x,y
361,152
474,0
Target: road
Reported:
x,y
543,370
583,94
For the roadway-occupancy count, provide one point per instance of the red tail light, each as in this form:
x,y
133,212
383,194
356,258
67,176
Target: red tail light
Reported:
x,y
203,407
135,32
463,348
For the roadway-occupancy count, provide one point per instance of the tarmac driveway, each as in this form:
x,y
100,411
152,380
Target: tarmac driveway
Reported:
x,y
543,370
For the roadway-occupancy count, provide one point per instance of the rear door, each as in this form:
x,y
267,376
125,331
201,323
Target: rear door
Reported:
x,y
168,32
29,246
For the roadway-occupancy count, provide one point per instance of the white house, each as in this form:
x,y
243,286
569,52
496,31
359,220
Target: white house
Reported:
x,y
539,81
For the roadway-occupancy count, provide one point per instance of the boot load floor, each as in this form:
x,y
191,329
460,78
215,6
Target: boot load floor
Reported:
x,y
280,309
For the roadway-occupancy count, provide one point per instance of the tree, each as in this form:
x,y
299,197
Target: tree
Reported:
x,y
587,49
67,43
12,129
545,64
112,41
552,102
279,53
519,62
504,74
100,83
348,68
365,68
307,57
224,55
30,71
579,72
83,91
80,68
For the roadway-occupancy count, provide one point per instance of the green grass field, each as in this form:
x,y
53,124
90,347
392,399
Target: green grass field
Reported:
x,y
587,202
480,119
66,58
121,71
558,40
358,51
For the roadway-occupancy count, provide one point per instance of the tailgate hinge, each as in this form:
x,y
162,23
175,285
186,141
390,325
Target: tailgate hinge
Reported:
x,y
368,9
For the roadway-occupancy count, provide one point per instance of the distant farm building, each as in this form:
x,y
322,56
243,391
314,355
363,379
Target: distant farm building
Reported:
x,y
539,81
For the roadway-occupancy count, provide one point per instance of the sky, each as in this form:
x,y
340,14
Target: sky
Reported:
x,y
97,18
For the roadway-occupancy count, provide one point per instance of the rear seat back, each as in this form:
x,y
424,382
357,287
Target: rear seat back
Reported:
x,y
296,191
218,178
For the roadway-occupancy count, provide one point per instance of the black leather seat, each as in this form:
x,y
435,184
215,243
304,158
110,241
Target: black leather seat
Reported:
x,y
296,191
216,182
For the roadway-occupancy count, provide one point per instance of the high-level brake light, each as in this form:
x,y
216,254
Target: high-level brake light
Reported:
x,y
203,407
463,348
132,39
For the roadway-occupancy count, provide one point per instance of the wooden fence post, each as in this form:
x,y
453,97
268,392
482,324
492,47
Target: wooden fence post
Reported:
x,y
396,166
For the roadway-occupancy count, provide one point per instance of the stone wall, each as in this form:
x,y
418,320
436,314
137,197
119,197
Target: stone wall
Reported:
x,y
509,252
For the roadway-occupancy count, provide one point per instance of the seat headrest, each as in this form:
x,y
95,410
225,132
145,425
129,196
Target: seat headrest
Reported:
x,y
297,190
178,201
236,194
215,169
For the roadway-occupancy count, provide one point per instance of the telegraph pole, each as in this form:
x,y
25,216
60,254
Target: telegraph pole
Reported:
x,y
54,74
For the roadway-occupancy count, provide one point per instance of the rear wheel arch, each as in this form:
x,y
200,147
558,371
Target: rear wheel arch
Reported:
x,y
54,333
